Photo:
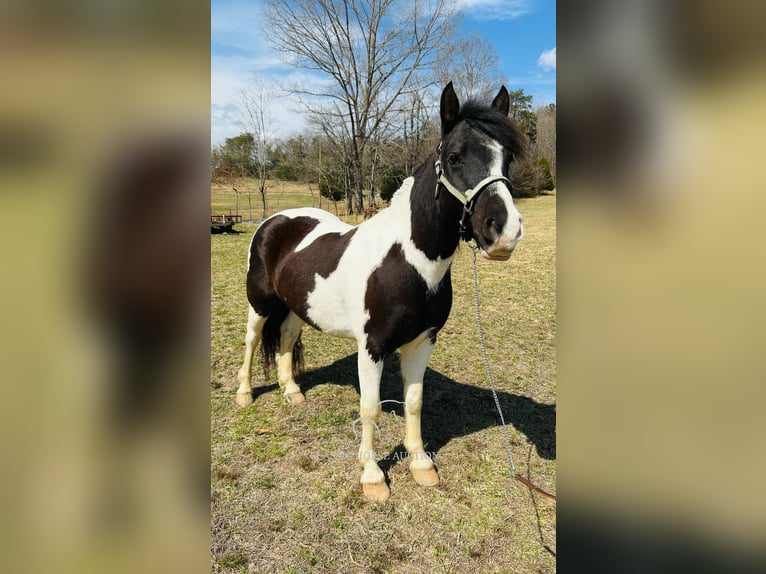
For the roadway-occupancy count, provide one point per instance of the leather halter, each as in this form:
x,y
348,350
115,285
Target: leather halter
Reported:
x,y
466,197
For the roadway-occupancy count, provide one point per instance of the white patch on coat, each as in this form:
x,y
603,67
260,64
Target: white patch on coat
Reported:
x,y
328,226
312,212
336,304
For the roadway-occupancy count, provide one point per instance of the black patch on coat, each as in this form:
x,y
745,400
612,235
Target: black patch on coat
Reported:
x,y
401,306
273,241
435,222
280,279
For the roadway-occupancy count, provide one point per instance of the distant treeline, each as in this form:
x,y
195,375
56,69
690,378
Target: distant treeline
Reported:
x,y
315,158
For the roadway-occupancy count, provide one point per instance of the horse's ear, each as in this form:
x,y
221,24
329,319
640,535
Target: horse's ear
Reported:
x,y
450,107
502,103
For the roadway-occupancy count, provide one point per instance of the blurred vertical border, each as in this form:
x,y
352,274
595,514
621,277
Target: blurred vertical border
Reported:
x,y
104,188
662,276
104,158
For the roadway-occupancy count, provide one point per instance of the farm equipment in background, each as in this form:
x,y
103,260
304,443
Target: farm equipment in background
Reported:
x,y
224,223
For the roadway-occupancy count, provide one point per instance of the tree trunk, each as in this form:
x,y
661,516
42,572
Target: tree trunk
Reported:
x,y
358,177
349,193
263,198
372,176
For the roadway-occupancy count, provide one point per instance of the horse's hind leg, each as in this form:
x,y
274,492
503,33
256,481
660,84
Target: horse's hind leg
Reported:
x,y
289,332
414,359
254,328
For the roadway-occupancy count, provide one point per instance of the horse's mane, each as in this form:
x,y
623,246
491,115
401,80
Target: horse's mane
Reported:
x,y
494,124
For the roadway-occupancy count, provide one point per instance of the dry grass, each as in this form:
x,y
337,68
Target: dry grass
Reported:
x,y
288,499
279,195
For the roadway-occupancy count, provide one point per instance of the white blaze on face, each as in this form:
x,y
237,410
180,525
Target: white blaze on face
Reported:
x,y
513,230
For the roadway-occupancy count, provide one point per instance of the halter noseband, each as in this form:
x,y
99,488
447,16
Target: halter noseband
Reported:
x,y
466,197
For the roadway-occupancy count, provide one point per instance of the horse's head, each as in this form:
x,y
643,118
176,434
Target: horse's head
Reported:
x,y
477,147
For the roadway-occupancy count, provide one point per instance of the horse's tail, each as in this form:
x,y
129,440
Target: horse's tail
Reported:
x,y
270,339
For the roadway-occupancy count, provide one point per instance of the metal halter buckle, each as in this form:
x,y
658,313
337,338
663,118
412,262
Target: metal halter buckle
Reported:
x,y
467,211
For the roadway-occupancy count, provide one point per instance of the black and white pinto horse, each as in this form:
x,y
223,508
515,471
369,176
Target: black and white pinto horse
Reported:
x,y
386,282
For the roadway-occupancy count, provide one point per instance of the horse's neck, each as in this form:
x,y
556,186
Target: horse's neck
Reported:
x,y
435,221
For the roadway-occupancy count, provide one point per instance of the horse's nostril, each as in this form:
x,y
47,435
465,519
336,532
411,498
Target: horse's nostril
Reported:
x,y
519,232
491,230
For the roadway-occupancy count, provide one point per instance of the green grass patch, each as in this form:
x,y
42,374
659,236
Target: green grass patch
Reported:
x,y
267,449
233,560
330,418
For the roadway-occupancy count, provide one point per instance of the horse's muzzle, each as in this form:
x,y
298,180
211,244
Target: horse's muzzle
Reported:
x,y
495,255
503,246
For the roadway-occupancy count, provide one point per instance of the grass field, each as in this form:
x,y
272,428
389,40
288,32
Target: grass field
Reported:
x,y
279,195
285,493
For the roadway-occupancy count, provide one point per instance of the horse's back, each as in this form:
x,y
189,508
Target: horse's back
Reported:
x,y
319,215
290,230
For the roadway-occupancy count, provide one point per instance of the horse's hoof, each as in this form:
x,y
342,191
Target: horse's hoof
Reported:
x,y
378,492
244,399
426,477
295,398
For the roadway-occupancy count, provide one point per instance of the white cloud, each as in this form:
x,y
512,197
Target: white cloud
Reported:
x,y
547,60
241,56
494,9
232,75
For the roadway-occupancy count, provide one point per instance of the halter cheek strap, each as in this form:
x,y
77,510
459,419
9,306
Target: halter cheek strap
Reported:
x,y
465,197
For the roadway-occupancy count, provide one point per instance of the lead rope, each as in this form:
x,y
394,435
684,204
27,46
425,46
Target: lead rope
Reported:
x,y
515,473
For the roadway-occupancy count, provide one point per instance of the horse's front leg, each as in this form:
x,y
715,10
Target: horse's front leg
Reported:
x,y
414,359
373,480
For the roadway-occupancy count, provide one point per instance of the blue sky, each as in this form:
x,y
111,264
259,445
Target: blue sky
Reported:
x,y
523,32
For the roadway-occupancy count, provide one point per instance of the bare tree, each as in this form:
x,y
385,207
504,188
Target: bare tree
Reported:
x,y
370,51
473,65
421,131
258,122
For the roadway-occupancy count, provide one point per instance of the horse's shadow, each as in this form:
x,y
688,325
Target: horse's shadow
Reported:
x,y
450,409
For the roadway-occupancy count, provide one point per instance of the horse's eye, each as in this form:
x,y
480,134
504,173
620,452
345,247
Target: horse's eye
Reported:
x,y
452,159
